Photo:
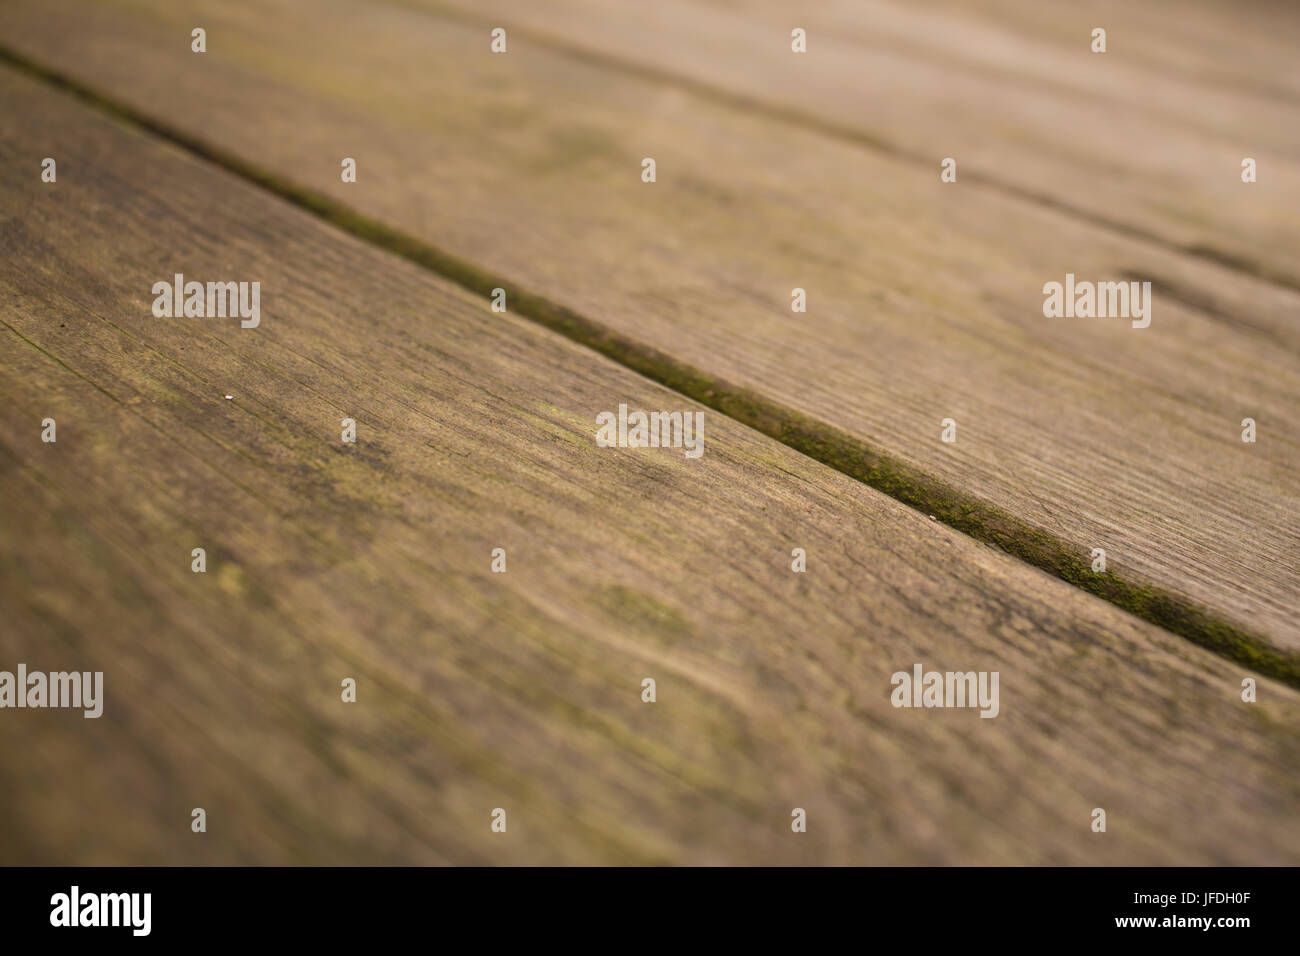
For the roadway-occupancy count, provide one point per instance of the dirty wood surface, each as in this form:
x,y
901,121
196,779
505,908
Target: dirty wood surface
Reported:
x,y
924,299
519,690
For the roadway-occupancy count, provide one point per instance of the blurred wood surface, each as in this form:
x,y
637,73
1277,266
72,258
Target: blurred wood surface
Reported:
x,y
518,690
1147,137
821,171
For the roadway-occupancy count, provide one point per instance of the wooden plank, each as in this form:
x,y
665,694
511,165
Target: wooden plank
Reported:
x,y
519,690
925,299
1148,137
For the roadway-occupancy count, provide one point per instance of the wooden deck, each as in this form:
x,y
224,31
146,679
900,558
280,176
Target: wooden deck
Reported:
x,y
522,690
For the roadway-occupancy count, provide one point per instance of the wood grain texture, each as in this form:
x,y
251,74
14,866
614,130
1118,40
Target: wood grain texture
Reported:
x,y
1147,137
481,690
925,299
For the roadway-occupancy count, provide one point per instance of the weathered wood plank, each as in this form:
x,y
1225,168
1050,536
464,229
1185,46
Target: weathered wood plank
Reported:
x,y
1148,136
925,299
516,690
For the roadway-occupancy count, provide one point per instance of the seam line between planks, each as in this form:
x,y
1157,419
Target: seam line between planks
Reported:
x,y
854,136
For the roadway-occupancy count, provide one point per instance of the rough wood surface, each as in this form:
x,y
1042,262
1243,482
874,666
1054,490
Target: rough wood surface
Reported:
x,y
516,690
925,299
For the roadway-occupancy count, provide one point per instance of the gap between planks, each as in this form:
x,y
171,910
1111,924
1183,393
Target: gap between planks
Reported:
x,y
824,126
